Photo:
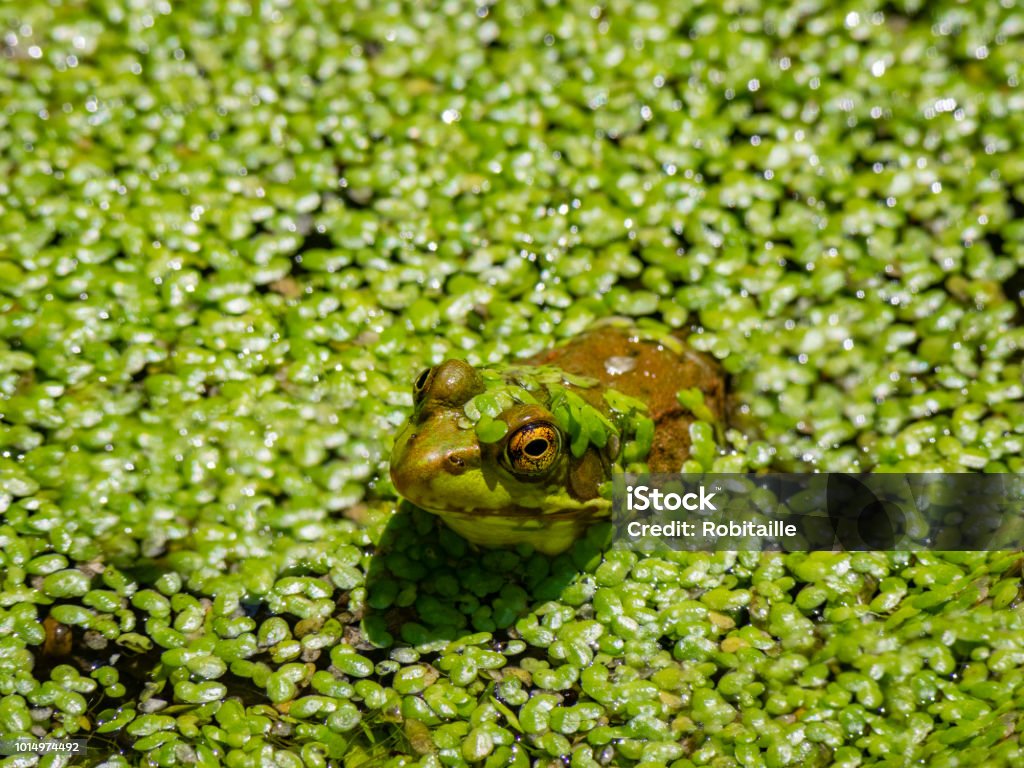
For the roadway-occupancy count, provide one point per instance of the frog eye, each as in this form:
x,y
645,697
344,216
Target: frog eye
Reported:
x,y
532,449
419,386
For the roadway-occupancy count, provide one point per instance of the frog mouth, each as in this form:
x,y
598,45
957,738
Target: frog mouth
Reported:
x,y
548,533
590,508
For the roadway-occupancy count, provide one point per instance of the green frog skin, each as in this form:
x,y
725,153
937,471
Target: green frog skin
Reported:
x,y
522,453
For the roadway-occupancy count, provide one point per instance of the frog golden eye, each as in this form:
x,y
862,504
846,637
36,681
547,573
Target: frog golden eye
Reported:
x,y
532,449
419,386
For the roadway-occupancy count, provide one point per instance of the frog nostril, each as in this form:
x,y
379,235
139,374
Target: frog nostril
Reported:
x,y
458,461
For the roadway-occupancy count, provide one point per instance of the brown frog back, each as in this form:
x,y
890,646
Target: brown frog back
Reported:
x,y
650,372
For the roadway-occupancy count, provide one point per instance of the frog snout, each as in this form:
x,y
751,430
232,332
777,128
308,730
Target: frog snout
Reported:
x,y
418,461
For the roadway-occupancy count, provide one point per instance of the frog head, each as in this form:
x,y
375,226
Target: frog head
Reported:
x,y
484,450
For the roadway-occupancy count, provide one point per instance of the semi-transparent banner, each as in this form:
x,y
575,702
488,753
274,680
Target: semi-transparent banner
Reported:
x,y
797,512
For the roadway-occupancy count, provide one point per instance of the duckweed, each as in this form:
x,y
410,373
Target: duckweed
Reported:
x,y
231,236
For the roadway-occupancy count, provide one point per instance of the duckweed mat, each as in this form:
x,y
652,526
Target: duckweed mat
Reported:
x,y
231,233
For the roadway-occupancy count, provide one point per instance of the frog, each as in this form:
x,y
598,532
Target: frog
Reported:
x,y
523,452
